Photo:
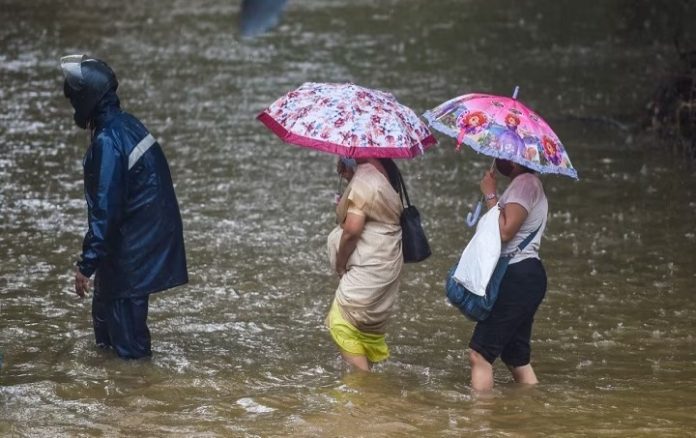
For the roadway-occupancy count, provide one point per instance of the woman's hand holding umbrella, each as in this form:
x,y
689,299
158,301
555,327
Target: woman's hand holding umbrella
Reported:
x,y
489,186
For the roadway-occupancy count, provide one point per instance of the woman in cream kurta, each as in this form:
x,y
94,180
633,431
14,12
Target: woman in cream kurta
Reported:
x,y
368,216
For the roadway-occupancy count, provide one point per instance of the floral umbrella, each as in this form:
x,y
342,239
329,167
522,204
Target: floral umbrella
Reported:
x,y
502,127
347,120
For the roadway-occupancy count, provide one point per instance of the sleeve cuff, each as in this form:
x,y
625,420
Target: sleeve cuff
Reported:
x,y
356,211
85,269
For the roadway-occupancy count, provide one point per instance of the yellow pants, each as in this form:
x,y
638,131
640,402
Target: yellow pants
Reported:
x,y
352,341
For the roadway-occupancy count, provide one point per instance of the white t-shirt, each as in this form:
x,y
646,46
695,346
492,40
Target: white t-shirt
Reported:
x,y
527,191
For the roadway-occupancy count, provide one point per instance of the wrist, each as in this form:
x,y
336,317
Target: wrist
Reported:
x,y
85,269
492,196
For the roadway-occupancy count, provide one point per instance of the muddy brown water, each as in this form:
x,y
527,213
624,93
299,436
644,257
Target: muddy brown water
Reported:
x,y
241,350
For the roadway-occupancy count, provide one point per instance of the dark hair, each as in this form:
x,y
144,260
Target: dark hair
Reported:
x,y
527,169
393,173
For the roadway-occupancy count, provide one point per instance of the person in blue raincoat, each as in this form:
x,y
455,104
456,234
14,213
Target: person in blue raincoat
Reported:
x,y
134,244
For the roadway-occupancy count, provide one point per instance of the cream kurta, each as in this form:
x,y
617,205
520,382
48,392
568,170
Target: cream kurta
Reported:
x,y
367,291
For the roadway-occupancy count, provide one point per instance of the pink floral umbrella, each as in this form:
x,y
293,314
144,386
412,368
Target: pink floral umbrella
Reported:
x,y
502,127
347,120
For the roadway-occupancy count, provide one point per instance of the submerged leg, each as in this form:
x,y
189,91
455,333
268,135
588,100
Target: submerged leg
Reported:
x,y
481,372
127,321
517,355
99,315
524,374
359,362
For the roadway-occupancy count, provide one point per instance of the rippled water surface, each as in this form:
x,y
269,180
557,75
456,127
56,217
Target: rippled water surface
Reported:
x,y
241,350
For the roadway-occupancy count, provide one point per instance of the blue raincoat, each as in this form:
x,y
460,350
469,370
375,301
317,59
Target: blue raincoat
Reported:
x,y
135,239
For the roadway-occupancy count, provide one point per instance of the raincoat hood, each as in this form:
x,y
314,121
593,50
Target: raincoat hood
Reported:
x,y
105,108
87,81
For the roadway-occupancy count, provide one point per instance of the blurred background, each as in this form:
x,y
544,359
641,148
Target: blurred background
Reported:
x,y
241,350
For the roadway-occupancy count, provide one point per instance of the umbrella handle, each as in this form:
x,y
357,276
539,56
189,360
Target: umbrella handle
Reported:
x,y
473,217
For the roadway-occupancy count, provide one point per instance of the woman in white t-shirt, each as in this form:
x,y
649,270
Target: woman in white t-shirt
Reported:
x,y
507,331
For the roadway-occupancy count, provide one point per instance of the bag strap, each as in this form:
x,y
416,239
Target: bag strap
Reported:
x,y
403,192
527,240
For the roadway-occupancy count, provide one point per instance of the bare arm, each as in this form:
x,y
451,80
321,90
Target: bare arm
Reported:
x,y
512,217
352,229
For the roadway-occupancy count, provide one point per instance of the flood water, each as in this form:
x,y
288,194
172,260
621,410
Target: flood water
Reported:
x,y
241,350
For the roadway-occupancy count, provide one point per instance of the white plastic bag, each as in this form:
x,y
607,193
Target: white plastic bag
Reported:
x,y
480,256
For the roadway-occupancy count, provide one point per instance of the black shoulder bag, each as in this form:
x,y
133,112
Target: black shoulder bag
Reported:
x,y
414,242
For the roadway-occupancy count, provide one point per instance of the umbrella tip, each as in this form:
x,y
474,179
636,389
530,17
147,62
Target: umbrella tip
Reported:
x,y
517,90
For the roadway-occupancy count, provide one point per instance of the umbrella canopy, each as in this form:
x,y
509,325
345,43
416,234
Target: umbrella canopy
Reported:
x,y
502,127
348,120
